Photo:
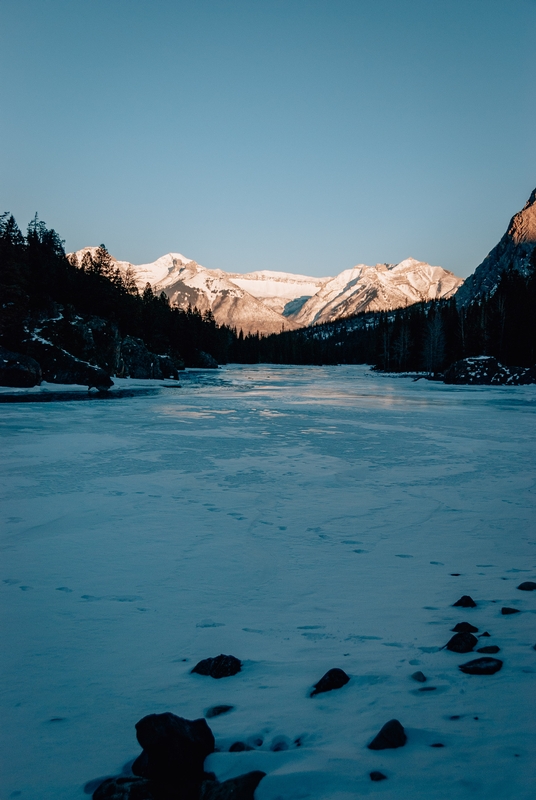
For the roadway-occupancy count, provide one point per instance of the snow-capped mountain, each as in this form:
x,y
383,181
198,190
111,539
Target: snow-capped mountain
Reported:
x,y
516,249
378,288
268,301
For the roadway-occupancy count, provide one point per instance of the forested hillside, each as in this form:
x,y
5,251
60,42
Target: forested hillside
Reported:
x,y
424,337
65,314
45,297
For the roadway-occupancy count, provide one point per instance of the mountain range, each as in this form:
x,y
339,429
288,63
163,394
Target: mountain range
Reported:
x,y
269,301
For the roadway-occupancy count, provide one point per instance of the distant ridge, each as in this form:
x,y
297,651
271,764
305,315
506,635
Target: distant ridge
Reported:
x,y
270,301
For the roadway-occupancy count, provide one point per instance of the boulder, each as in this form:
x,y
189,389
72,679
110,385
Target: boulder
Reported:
x,y
125,789
216,711
505,611
240,788
392,735
138,361
240,747
204,360
419,676
466,601
174,750
18,370
487,371
221,666
59,366
333,679
482,666
464,627
527,586
490,649
377,776
462,643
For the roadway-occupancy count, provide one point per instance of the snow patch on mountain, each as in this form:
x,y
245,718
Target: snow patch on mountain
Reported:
x,y
268,301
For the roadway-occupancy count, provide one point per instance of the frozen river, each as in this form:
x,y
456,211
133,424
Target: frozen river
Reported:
x,y
299,519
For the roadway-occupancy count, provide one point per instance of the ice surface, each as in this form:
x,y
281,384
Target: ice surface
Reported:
x,y
299,519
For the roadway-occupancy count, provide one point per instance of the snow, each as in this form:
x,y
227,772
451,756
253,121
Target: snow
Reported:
x,y
299,519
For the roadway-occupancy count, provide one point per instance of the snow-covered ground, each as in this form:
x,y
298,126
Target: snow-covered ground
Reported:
x,y
299,519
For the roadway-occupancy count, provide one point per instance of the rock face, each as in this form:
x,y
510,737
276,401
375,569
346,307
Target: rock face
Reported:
x,y
482,666
221,666
58,366
139,362
333,679
18,371
516,249
174,750
240,788
462,642
487,371
392,735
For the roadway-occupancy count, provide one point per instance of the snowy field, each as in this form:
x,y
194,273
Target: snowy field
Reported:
x,y
299,519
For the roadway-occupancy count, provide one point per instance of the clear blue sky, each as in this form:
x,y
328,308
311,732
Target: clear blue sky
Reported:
x,y
298,135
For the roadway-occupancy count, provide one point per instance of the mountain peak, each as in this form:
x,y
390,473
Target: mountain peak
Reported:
x,y
515,250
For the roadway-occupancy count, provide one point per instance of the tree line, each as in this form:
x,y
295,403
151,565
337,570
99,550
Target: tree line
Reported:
x,y
424,337
36,277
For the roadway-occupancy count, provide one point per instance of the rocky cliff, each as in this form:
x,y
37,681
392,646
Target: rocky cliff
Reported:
x,y
516,250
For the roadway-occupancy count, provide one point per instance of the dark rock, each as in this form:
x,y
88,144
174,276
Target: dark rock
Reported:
x,y
377,776
204,360
279,744
505,611
138,361
419,676
492,648
240,788
392,735
216,711
168,367
465,602
484,634
464,627
486,370
437,744
58,366
427,689
527,586
219,667
482,666
18,371
174,752
333,679
125,789
462,643
239,747
140,765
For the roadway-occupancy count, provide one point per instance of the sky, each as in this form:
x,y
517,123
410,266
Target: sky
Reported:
x,y
298,135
